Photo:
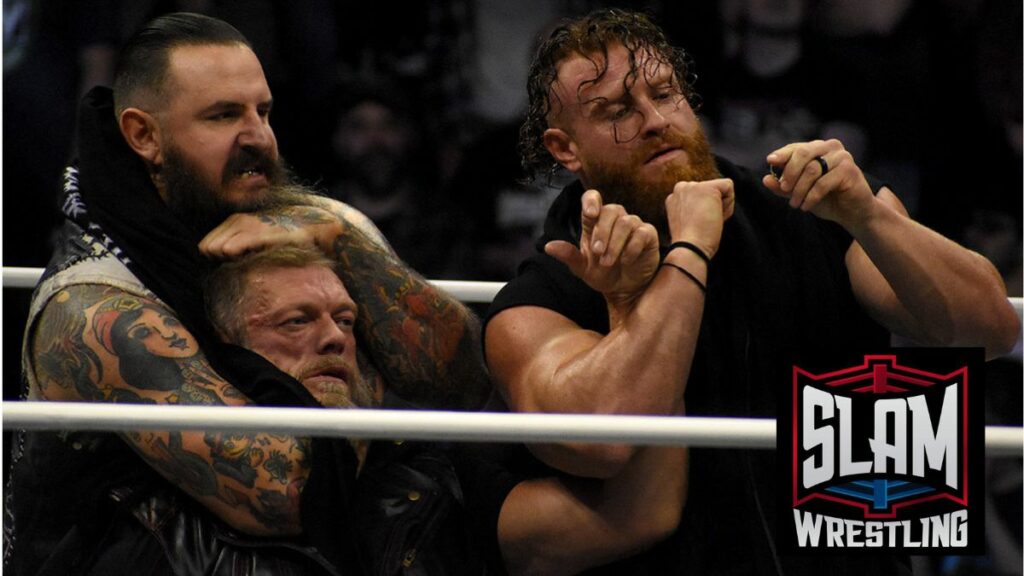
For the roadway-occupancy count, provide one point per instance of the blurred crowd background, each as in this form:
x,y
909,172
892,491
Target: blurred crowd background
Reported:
x,y
410,112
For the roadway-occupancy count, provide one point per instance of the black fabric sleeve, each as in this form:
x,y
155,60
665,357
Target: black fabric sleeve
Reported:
x,y
486,483
546,282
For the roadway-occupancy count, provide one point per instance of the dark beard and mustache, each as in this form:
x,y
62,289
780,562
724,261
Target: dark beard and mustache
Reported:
x,y
202,208
621,184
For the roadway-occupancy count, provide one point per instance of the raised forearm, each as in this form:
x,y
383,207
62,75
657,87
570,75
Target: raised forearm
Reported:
x,y
425,342
545,362
90,344
911,279
252,481
642,364
640,367
945,294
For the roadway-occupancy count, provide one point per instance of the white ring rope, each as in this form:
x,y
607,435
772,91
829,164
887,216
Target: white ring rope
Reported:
x,y
428,425
464,290
15,277
423,425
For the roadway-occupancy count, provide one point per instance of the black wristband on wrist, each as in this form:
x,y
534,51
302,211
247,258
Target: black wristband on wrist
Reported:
x,y
699,284
692,248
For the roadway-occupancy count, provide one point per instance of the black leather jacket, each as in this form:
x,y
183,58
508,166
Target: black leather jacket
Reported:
x,y
192,542
409,520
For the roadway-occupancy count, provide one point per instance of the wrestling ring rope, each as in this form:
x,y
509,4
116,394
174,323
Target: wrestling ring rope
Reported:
x,y
1000,441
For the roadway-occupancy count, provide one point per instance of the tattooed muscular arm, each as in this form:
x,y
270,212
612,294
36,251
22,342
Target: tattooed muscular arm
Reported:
x,y
424,342
99,344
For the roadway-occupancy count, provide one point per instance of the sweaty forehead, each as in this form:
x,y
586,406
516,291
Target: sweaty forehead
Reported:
x,y
580,77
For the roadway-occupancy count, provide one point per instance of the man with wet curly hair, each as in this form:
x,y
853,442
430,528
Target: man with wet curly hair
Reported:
x,y
669,281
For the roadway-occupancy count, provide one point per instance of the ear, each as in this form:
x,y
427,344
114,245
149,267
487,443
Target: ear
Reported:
x,y
562,148
142,132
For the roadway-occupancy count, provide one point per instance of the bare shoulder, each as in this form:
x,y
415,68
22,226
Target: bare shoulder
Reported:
x,y
523,331
525,345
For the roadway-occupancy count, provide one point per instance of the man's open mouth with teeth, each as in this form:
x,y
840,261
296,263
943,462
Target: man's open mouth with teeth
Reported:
x,y
250,163
249,172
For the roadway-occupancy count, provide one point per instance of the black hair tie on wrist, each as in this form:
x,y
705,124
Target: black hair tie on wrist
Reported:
x,y
692,248
695,280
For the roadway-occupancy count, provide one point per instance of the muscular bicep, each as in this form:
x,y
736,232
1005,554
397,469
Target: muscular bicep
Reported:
x,y
535,357
525,348
99,344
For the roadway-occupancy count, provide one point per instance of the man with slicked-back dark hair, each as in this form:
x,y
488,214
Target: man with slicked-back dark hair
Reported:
x,y
176,168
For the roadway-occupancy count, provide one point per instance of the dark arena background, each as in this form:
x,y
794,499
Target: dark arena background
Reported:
x,y
410,112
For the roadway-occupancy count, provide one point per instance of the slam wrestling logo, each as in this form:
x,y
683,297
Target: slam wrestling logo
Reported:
x,y
884,452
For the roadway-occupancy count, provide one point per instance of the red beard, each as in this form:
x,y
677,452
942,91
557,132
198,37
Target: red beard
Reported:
x,y
621,184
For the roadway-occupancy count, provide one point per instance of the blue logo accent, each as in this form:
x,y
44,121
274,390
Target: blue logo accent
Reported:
x,y
880,492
